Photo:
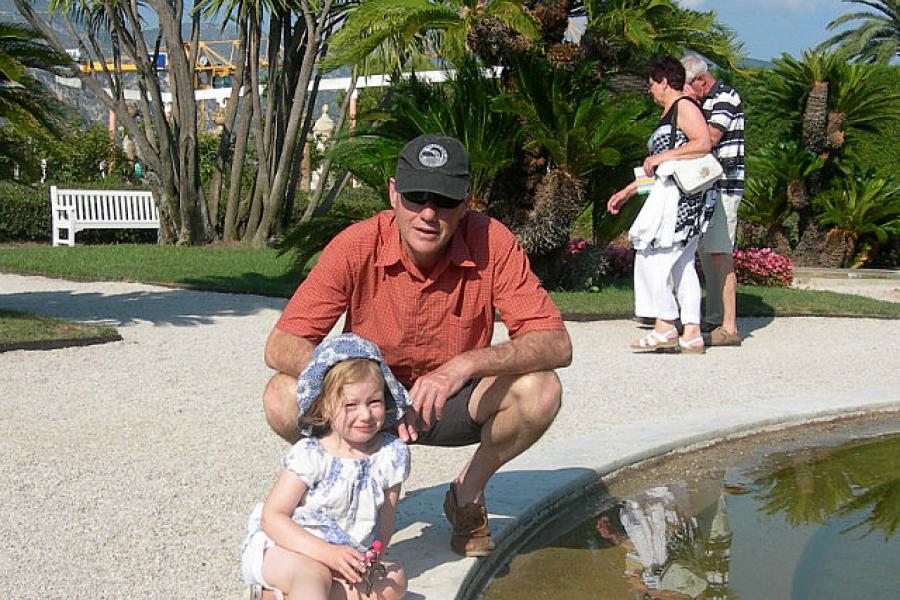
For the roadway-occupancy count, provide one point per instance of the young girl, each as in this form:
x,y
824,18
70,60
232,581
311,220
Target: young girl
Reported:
x,y
340,484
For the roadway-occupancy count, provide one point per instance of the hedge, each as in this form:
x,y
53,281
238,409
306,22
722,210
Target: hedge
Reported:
x,y
24,213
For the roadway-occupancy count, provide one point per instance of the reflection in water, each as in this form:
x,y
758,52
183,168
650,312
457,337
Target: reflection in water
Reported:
x,y
817,523
860,479
671,553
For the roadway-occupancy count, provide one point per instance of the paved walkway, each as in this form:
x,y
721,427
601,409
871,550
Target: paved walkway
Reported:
x,y
129,468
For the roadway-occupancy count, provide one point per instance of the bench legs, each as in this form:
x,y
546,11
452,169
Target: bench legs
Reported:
x,y
60,225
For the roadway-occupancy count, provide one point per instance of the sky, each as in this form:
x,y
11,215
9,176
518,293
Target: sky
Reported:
x,y
769,27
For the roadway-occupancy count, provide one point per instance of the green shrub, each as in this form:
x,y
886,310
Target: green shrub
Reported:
x,y
305,240
24,213
584,268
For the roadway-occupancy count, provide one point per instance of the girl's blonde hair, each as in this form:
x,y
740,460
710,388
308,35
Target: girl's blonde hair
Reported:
x,y
323,409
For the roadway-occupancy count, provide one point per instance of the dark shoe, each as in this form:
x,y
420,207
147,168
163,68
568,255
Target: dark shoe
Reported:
x,y
471,535
720,337
707,327
644,321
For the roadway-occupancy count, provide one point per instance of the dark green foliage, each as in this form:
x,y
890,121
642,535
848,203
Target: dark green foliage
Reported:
x,y
875,34
460,107
585,270
72,161
308,238
863,204
24,213
805,156
25,104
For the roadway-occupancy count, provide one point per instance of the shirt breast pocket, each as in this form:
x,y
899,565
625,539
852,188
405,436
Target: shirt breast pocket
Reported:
x,y
465,333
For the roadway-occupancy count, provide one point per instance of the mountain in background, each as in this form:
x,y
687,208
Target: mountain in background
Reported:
x,y
755,63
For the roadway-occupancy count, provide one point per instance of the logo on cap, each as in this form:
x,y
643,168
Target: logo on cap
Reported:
x,y
433,155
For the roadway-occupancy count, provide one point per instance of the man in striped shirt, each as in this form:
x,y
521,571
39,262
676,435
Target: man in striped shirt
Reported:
x,y
725,116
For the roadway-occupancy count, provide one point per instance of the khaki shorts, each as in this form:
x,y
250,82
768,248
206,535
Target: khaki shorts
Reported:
x,y
719,237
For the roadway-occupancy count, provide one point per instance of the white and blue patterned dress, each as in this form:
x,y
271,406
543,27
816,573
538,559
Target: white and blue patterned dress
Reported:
x,y
342,502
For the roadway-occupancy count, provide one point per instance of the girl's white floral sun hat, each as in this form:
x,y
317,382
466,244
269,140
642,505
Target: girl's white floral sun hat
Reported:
x,y
338,349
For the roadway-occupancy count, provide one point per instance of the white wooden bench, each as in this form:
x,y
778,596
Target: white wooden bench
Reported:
x,y
77,210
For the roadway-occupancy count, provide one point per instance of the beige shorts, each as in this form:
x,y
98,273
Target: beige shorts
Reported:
x,y
719,237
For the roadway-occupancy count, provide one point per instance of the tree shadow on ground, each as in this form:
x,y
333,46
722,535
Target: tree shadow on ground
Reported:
x,y
247,283
508,495
181,308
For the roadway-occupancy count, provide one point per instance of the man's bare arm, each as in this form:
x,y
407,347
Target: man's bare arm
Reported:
x,y
287,353
529,353
715,135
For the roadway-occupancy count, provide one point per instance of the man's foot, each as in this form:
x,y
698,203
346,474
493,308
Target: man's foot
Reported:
x,y
707,327
471,535
721,337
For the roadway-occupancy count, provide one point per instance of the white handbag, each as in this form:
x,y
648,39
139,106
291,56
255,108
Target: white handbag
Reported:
x,y
694,175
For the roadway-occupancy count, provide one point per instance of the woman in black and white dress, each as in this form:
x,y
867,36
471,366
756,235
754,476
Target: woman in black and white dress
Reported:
x,y
669,260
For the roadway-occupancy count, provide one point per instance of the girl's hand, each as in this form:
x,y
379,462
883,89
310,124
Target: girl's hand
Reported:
x,y
344,560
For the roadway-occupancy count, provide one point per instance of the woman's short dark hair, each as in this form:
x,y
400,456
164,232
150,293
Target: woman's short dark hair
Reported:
x,y
669,69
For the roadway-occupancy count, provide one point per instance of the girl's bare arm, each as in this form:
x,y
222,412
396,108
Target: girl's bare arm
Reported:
x,y
286,495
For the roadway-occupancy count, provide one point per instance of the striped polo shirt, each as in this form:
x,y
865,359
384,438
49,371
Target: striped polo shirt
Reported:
x,y
722,109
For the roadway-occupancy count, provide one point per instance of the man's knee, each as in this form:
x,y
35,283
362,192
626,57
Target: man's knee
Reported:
x,y
722,262
280,405
538,395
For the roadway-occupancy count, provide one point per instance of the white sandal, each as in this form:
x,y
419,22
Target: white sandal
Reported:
x,y
657,341
255,591
694,346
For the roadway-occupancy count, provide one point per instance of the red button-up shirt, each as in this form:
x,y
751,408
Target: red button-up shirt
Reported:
x,y
421,322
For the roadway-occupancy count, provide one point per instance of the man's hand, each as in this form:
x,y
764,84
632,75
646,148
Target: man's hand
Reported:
x,y
429,394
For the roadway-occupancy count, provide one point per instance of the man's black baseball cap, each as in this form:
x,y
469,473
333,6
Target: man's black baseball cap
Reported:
x,y
434,163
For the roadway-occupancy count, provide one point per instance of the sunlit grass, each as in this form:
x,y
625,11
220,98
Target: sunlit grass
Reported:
x,y
262,271
17,328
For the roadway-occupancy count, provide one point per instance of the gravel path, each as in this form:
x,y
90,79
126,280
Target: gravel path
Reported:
x,y
129,468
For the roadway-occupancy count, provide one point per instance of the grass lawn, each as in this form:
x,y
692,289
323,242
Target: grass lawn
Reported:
x,y
21,330
223,268
242,269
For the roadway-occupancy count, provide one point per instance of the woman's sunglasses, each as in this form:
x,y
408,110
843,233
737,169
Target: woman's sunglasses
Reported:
x,y
438,200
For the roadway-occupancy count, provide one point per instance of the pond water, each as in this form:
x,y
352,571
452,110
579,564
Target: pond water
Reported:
x,y
796,515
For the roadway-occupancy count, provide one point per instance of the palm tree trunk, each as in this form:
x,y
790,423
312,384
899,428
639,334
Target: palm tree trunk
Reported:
x,y
232,212
314,30
218,178
815,118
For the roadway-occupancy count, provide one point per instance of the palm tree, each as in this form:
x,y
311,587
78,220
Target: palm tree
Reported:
x,y
876,37
461,107
579,131
864,211
374,24
627,31
24,102
825,99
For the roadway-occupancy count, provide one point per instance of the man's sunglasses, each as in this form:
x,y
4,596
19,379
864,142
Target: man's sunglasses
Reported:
x,y
438,200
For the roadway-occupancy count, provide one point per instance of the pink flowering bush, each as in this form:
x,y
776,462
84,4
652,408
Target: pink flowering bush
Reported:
x,y
575,246
584,266
763,266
